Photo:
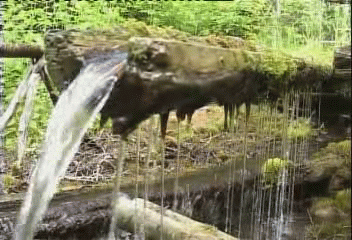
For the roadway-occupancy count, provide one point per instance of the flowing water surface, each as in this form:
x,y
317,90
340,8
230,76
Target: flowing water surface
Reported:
x,y
75,110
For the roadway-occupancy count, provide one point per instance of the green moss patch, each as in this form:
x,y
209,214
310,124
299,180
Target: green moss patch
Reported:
x,y
272,169
331,217
335,159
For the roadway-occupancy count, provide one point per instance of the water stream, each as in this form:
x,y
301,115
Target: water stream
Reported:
x,y
75,110
19,95
26,117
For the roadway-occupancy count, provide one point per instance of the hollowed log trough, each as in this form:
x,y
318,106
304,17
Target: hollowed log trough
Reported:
x,y
161,75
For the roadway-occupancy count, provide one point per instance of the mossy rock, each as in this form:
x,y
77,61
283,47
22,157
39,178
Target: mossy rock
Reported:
x,y
333,209
343,200
333,160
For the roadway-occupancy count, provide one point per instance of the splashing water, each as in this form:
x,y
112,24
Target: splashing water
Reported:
x,y
74,111
19,95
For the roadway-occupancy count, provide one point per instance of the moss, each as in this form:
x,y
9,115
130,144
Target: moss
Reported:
x,y
131,28
337,206
299,129
343,200
341,230
186,134
343,148
272,169
213,127
331,217
334,159
9,181
288,72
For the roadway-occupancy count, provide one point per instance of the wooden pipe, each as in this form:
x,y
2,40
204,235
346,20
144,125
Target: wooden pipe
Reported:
x,y
20,51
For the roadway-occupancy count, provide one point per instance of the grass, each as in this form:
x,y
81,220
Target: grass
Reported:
x,y
334,159
299,129
331,217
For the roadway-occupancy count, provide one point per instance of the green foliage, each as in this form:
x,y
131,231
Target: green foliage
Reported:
x,y
296,24
273,168
8,181
327,230
343,200
332,217
26,22
334,159
299,129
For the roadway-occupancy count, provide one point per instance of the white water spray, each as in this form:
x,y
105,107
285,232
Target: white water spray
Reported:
x,y
73,113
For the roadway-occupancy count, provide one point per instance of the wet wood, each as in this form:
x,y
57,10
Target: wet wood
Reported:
x,y
189,60
20,51
166,74
342,63
67,51
88,216
175,226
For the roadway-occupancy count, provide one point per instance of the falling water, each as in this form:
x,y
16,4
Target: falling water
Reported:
x,y
74,111
137,229
19,95
272,215
175,203
26,116
2,4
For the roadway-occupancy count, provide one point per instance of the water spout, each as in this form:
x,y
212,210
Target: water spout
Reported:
x,y
73,113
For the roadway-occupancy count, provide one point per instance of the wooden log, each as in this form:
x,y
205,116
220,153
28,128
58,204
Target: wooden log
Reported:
x,y
175,226
342,63
66,51
189,57
342,57
88,216
20,51
164,74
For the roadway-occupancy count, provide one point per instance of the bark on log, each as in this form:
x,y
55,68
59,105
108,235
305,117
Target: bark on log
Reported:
x,y
175,226
21,51
165,74
90,219
342,63
66,51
